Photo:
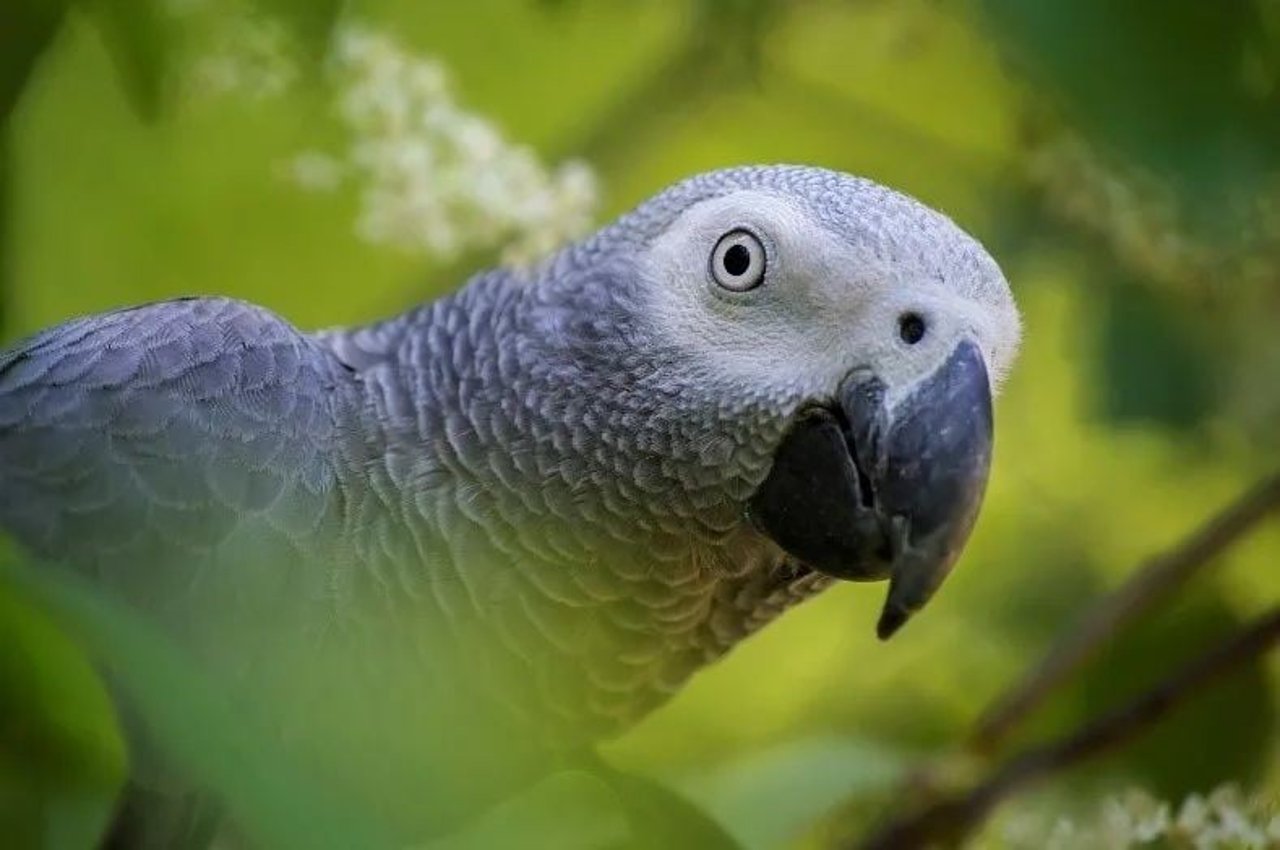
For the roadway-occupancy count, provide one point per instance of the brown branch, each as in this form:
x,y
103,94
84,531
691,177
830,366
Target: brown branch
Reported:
x,y
1160,577
1151,583
950,820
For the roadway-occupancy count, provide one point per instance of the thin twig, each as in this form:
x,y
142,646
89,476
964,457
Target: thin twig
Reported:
x,y
1142,591
1160,577
949,820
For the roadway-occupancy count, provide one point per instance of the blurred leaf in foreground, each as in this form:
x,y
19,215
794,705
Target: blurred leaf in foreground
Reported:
x,y
61,758
661,818
273,804
569,810
769,798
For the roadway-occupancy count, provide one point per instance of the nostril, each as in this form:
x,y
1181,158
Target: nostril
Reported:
x,y
911,328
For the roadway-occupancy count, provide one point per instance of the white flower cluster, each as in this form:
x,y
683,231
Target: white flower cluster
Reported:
x,y
239,52
435,178
1224,820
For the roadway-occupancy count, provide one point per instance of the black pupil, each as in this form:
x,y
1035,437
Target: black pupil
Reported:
x,y
911,328
737,260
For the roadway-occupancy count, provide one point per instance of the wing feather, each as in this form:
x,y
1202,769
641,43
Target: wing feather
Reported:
x,y
153,441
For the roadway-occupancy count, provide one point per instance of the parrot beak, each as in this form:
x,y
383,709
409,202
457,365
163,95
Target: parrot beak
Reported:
x,y
865,491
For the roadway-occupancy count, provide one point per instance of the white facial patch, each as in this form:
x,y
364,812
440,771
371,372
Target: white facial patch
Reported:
x,y
828,303
765,335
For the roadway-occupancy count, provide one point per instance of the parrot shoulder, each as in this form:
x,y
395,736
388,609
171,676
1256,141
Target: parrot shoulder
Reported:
x,y
157,433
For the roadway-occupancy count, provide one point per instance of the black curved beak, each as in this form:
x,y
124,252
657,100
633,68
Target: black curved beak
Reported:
x,y
864,492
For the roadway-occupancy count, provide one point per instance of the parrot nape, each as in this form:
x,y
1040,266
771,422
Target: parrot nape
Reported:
x,y
439,551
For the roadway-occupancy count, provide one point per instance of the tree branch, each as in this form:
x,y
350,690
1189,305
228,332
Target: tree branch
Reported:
x,y
949,820
1159,578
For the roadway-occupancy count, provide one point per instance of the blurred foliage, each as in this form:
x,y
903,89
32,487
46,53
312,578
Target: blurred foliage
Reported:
x,y
1119,158
1151,367
61,758
144,38
193,721
1186,89
1242,710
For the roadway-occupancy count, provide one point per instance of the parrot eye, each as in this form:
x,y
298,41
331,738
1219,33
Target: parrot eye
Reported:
x,y
911,328
737,263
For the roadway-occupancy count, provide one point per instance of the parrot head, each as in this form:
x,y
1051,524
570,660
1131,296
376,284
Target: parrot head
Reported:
x,y
831,347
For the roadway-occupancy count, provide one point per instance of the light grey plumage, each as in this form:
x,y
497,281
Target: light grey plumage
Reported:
x,y
530,495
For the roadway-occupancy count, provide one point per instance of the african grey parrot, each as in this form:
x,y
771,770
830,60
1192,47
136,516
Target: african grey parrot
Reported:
x,y
536,505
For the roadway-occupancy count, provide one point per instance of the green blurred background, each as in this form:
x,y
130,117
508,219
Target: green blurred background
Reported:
x,y
1118,158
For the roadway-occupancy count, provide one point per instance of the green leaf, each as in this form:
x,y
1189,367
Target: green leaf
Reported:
x,y
569,810
27,28
221,749
661,818
75,820
1151,366
61,757
769,798
137,34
